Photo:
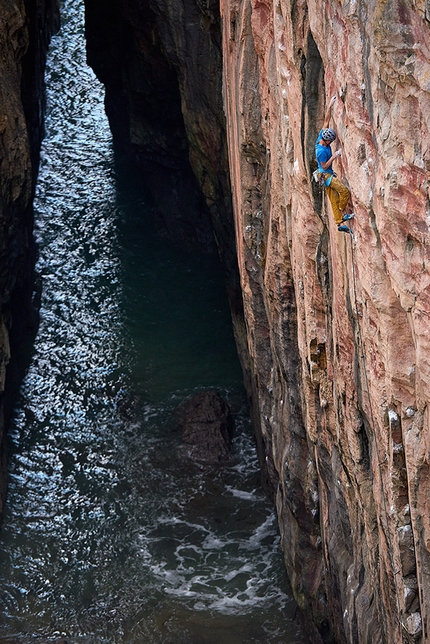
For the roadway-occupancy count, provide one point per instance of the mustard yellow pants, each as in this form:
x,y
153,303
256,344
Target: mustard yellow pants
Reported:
x,y
339,196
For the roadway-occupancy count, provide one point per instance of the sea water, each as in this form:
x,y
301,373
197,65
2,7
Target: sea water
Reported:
x,y
112,534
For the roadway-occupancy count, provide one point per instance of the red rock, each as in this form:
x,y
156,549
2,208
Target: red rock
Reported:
x,y
338,327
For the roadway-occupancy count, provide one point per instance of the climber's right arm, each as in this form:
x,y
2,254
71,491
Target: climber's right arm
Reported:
x,y
326,164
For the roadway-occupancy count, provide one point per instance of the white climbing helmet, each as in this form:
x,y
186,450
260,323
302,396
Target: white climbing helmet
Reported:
x,y
328,134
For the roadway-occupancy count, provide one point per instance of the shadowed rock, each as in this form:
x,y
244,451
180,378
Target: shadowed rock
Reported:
x,y
207,424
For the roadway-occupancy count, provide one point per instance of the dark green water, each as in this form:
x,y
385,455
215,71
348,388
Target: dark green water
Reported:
x,y
112,535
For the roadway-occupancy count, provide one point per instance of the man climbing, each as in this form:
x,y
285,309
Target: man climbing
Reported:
x,y
337,192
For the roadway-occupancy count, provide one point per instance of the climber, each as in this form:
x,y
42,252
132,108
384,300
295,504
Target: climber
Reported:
x,y
337,192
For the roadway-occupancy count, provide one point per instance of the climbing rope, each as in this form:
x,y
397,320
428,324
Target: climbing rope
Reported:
x,y
372,419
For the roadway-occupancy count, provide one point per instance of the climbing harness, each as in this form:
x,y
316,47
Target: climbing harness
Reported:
x,y
318,178
321,177
372,419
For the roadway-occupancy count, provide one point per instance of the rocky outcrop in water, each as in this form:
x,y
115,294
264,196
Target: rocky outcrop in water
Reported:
x,y
25,29
206,425
337,326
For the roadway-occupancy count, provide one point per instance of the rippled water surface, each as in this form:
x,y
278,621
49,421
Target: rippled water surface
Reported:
x,y
111,533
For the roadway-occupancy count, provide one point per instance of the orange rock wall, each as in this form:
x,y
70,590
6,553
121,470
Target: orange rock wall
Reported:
x,y
338,326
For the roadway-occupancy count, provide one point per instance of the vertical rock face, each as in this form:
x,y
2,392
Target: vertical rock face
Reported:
x,y
338,325
164,106
133,49
25,29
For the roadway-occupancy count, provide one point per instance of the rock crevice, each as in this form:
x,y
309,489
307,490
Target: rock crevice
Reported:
x,y
161,64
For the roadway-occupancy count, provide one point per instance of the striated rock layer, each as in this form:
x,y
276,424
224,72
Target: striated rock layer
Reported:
x,y
338,326
25,29
337,348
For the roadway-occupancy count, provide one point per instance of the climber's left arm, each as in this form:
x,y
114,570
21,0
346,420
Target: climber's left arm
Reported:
x,y
328,112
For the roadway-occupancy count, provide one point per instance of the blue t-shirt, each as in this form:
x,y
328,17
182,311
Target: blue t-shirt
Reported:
x,y
323,154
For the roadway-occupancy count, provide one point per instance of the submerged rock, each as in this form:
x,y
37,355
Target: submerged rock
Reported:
x,y
207,425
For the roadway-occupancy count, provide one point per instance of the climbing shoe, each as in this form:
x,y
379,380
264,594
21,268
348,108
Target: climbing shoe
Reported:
x,y
343,229
348,216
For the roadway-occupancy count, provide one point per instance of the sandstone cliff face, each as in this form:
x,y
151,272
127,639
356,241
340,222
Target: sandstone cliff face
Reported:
x,y
25,29
338,326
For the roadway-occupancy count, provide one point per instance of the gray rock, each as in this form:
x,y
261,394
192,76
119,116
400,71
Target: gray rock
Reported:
x,y
206,424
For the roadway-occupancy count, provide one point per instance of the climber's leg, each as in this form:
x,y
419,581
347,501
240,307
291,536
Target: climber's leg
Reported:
x,y
333,196
344,194
339,196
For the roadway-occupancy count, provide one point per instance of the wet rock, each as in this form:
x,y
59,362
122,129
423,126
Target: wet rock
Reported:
x,y
25,30
145,106
206,424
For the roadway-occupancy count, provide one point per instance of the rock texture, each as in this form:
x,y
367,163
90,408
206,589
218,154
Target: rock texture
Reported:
x,y
338,326
206,425
164,111
25,28
337,346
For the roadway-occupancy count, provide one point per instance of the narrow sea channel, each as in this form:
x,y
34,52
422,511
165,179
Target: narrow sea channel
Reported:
x,y
111,534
